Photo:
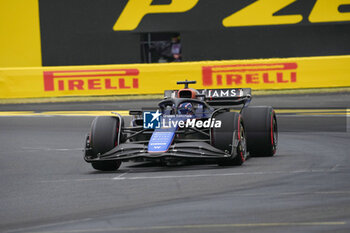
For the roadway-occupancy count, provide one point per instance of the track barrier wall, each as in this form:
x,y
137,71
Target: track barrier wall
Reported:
x,y
130,79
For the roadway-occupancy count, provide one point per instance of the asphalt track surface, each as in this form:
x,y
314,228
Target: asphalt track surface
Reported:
x,y
47,187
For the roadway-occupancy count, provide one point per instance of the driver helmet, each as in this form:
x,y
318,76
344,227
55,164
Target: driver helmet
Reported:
x,y
185,108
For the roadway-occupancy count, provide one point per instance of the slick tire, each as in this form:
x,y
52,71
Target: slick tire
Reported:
x,y
261,130
230,137
104,137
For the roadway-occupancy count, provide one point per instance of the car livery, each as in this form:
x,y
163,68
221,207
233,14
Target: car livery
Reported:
x,y
188,124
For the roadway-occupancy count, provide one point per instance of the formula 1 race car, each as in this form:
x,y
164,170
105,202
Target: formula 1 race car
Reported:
x,y
188,124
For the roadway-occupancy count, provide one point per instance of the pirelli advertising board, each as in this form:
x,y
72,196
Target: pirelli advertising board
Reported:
x,y
67,47
155,78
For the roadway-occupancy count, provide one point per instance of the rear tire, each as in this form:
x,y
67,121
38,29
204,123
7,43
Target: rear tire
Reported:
x,y
261,130
230,137
104,137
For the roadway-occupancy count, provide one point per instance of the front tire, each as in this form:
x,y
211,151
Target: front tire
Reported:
x,y
104,137
230,137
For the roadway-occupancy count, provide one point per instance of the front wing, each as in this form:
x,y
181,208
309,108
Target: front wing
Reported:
x,y
130,151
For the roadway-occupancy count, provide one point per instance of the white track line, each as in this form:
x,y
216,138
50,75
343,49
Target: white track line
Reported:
x,y
218,175
203,226
122,177
52,149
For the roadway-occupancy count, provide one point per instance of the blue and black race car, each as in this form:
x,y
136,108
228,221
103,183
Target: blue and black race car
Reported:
x,y
188,124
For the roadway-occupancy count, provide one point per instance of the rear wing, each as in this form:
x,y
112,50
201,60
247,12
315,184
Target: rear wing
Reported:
x,y
230,96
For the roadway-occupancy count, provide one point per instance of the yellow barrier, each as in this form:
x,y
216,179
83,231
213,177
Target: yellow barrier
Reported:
x,y
289,73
